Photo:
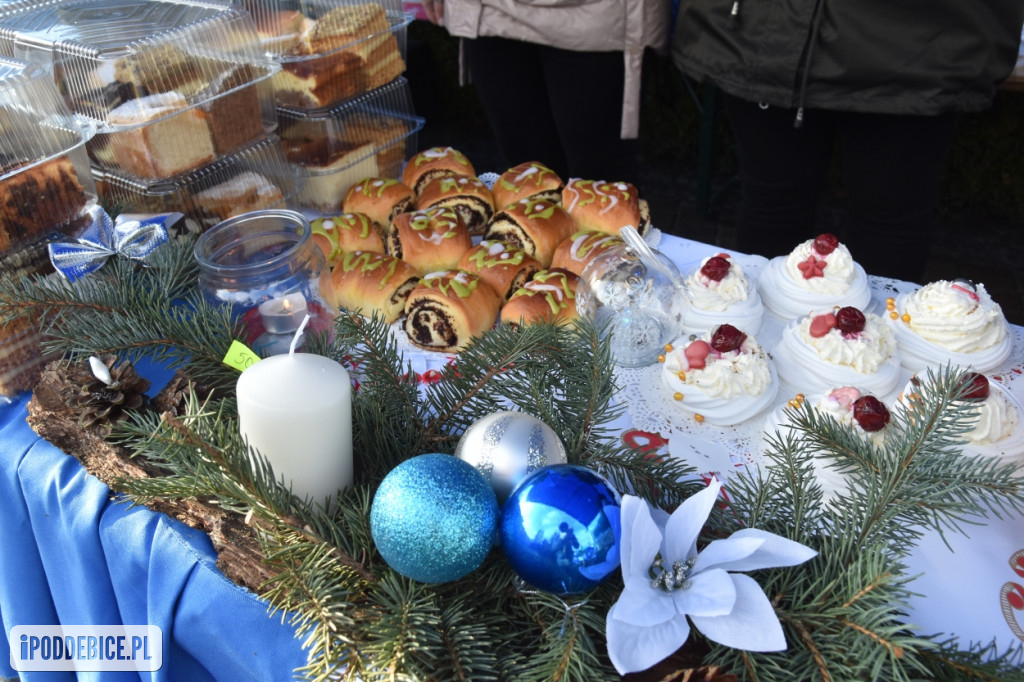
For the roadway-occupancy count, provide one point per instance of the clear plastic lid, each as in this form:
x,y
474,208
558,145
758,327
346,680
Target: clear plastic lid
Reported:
x,y
44,171
255,177
369,136
331,51
103,53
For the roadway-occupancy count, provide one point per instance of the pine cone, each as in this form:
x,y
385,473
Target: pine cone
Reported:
x,y
97,405
175,395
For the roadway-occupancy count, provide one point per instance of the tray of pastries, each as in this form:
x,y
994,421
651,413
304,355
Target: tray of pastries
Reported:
x,y
331,149
331,50
253,178
171,86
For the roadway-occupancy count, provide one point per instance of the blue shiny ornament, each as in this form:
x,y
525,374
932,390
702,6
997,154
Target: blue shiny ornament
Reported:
x,y
434,518
560,529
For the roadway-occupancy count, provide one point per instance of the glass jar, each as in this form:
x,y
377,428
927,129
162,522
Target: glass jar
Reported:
x,y
641,304
266,266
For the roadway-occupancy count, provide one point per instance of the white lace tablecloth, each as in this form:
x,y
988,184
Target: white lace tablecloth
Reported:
x,y
974,592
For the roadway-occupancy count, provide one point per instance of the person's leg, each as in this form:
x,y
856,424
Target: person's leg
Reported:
x,y
585,91
509,79
782,170
891,170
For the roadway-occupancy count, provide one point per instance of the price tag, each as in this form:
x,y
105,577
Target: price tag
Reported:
x,y
240,356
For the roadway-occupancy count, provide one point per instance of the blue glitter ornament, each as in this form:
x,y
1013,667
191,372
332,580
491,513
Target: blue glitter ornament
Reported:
x,y
560,529
434,518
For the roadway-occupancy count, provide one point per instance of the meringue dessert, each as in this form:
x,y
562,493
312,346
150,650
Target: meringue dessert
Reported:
x,y
950,322
862,413
720,292
841,348
723,377
997,427
818,273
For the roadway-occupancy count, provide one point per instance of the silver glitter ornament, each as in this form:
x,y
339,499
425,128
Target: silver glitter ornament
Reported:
x,y
506,446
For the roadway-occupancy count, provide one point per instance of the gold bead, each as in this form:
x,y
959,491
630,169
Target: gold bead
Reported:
x,y
661,358
890,301
800,397
668,347
794,403
905,317
677,396
681,375
893,315
699,418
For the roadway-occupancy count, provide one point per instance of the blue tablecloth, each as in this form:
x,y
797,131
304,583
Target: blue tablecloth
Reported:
x,y
71,554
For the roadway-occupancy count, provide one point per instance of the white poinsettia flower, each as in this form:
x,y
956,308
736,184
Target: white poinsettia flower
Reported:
x,y
667,581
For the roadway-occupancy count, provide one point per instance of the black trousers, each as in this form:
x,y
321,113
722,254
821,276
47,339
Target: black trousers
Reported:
x,y
890,165
558,107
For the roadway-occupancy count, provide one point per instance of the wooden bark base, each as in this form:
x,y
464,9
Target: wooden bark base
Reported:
x,y
238,552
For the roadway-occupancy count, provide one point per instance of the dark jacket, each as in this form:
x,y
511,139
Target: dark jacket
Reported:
x,y
882,56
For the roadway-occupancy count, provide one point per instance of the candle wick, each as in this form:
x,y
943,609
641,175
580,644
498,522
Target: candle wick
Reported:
x,y
298,334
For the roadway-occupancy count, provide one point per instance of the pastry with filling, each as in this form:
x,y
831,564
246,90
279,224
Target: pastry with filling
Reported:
x,y
339,234
549,297
379,198
537,226
344,25
371,282
530,180
429,240
576,252
386,133
36,199
465,194
161,136
449,308
605,206
246,191
429,163
504,268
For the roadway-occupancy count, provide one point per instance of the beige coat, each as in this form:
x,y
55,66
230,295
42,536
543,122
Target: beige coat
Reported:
x,y
582,25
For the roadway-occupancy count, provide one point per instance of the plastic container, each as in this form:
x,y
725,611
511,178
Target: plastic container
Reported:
x,y
45,186
44,171
332,149
171,86
331,50
256,177
266,266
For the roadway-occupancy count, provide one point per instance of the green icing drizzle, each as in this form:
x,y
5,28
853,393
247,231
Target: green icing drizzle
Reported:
x,y
447,283
482,258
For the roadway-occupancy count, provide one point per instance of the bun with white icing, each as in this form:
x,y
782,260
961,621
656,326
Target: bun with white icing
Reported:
x,y
433,162
504,268
449,308
339,234
576,252
537,226
371,282
429,240
379,198
549,297
818,273
605,206
465,194
530,180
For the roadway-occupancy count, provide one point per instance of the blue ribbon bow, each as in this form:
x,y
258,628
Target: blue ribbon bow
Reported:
x,y
131,236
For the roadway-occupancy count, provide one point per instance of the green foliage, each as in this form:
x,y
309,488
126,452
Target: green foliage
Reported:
x,y
844,612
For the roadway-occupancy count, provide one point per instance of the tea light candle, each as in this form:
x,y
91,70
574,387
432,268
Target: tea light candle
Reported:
x,y
296,410
283,315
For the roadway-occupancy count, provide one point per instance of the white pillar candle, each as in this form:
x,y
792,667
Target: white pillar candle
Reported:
x,y
296,410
